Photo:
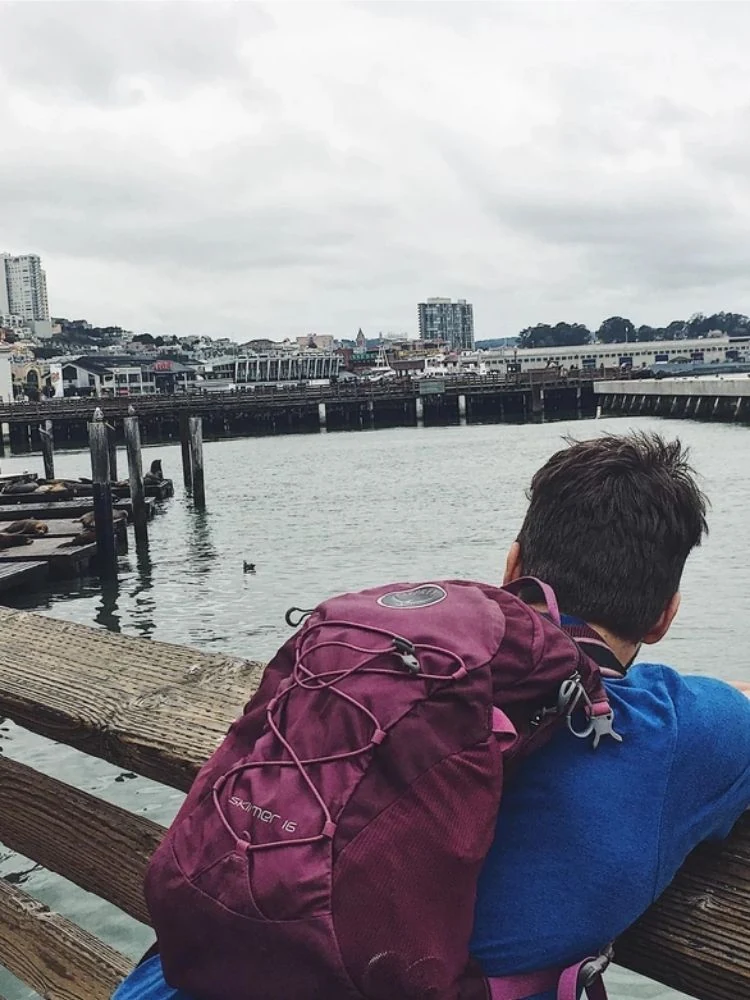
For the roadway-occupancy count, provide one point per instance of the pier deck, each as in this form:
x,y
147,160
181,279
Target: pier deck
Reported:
x,y
698,397
160,710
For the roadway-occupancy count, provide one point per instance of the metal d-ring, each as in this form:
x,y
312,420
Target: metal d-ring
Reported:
x,y
303,613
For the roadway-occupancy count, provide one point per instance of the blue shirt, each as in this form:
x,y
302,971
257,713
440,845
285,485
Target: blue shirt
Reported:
x,y
586,840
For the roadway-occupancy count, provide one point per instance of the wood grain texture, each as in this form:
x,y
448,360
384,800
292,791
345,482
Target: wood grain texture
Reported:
x,y
150,707
102,848
53,956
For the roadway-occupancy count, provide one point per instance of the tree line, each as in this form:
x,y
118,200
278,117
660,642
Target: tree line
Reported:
x,y
619,330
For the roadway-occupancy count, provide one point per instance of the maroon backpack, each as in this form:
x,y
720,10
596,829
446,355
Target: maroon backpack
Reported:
x,y
330,848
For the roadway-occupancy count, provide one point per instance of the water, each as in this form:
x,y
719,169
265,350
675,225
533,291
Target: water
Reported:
x,y
321,514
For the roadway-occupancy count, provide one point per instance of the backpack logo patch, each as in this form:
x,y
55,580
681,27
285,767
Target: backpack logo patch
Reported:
x,y
417,597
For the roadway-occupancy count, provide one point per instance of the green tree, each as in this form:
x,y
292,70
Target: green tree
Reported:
x,y
559,335
616,330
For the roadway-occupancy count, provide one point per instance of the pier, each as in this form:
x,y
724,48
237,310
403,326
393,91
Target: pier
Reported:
x,y
344,405
710,398
160,710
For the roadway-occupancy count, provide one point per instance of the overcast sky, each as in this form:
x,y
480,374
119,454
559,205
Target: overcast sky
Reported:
x,y
271,170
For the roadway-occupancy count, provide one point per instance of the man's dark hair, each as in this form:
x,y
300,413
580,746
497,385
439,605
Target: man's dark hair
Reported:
x,y
610,524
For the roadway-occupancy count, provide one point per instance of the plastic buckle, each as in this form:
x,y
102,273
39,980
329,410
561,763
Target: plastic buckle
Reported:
x,y
596,967
603,725
407,653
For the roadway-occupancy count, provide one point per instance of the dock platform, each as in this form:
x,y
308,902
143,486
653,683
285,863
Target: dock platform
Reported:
x,y
22,575
63,560
63,509
160,710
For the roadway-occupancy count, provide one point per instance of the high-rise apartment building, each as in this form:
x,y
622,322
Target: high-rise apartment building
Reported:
x,y
23,288
443,319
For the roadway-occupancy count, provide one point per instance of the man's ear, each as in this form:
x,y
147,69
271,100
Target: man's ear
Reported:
x,y
513,566
666,618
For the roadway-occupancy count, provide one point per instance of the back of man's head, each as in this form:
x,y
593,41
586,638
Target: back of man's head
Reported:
x,y
610,524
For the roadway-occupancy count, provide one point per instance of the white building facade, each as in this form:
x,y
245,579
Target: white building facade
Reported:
x,y
594,356
25,288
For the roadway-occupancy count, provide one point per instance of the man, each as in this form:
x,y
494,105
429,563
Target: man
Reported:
x,y
587,840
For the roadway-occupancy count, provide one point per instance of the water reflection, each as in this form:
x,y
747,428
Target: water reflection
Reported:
x,y
106,614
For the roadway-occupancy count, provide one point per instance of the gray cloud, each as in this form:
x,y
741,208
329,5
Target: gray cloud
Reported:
x,y
273,169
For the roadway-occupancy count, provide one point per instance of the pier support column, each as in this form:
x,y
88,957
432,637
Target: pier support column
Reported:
x,y
195,425
673,407
698,405
642,407
716,406
578,402
48,456
371,412
106,547
537,400
462,410
187,470
419,406
135,474
112,451
738,407
322,417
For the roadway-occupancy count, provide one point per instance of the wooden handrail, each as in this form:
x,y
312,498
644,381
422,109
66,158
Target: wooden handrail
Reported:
x,y
52,955
160,709
77,835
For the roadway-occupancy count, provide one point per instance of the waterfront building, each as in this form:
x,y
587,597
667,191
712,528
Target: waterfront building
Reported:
x,y
510,360
104,375
272,368
443,319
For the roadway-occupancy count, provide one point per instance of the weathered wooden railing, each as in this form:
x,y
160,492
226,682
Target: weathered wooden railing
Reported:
x,y
160,710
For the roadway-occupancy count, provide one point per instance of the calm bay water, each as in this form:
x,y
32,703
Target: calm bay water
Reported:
x,y
322,514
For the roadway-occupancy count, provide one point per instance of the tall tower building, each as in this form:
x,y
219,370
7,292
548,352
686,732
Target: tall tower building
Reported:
x,y
25,288
443,319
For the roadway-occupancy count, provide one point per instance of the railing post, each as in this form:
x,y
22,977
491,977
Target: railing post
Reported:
x,y
135,474
106,549
195,425
48,456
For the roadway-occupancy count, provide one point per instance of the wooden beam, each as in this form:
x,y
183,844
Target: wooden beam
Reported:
x,y
150,707
102,848
53,956
160,710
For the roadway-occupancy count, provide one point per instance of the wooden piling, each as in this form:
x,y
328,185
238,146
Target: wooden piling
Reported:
x,y
48,457
187,468
106,549
112,453
135,474
195,428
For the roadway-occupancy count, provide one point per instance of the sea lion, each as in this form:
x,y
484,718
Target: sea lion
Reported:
x,y
88,519
29,526
9,541
18,489
86,537
154,474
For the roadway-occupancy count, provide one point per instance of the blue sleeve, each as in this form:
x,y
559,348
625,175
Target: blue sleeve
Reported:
x,y
146,982
709,783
